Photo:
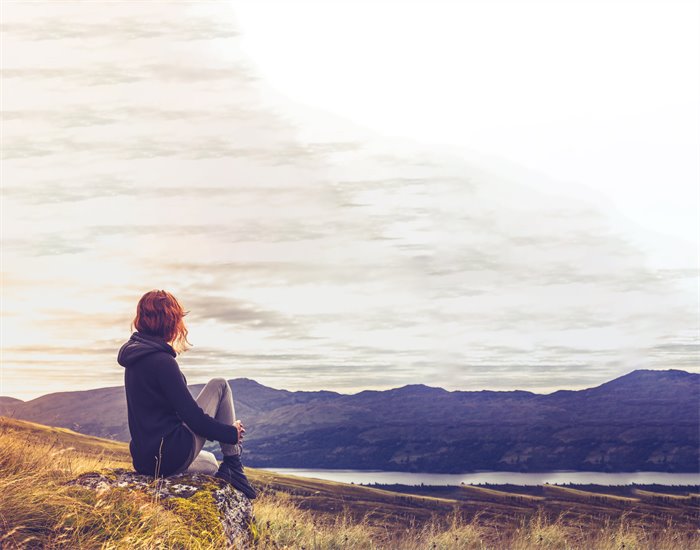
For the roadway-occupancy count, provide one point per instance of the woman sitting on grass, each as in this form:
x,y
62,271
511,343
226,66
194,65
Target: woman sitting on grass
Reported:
x,y
168,426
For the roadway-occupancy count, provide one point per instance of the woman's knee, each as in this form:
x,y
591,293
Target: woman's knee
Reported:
x,y
219,381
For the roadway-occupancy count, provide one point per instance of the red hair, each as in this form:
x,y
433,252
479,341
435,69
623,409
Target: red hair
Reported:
x,y
160,314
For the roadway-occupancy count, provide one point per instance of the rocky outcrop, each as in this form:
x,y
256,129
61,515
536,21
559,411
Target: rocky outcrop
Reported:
x,y
199,497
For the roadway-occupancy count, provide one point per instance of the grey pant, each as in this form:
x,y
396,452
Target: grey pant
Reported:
x,y
216,399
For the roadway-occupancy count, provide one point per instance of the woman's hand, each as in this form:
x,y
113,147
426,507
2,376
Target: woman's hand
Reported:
x,y
240,428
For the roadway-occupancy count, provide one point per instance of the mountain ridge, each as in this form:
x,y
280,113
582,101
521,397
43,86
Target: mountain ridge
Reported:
x,y
244,379
644,420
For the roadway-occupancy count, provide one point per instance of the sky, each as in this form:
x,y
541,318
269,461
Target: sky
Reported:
x,y
347,196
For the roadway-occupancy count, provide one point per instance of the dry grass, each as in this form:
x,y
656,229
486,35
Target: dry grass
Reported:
x,y
581,494
282,525
37,510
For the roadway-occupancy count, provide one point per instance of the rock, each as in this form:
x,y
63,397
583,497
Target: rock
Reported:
x,y
232,508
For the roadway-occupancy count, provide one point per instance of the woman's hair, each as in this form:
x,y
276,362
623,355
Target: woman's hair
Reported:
x,y
160,314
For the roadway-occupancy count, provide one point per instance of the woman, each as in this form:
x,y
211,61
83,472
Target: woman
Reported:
x,y
168,427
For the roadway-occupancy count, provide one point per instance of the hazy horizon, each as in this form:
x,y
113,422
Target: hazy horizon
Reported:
x,y
509,203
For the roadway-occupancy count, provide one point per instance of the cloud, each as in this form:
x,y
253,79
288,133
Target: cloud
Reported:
x,y
681,354
110,185
108,74
76,116
215,354
142,147
120,28
58,351
47,245
240,313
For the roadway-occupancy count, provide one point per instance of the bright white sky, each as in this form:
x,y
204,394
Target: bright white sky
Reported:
x,y
353,195
599,97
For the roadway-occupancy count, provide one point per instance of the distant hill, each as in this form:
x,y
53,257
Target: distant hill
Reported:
x,y
645,420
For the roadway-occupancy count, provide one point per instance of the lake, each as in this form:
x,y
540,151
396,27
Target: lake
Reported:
x,y
517,478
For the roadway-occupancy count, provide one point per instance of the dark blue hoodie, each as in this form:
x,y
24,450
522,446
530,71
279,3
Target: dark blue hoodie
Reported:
x,y
158,403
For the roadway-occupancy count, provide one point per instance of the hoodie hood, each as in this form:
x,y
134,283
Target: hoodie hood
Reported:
x,y
141,344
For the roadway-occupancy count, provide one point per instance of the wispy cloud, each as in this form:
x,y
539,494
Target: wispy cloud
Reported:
x,y
84,115
106,74
120,28
141,147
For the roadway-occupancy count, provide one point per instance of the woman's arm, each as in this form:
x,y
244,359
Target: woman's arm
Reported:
x,y
174,387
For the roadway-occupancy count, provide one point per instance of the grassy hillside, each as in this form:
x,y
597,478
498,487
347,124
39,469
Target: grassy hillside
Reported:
x,y
38,510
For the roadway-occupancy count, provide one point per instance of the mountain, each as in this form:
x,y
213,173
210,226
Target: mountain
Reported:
x,y
645,420
9,400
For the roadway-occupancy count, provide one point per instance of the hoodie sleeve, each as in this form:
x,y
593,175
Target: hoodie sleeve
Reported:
x,y
173,385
